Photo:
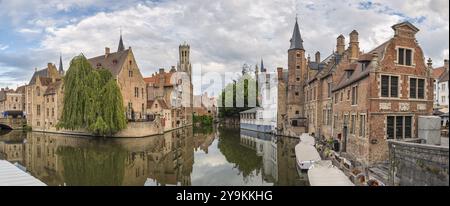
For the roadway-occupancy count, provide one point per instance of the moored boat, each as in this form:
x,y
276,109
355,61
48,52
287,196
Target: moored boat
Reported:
x,y
307,139
306,155
324,173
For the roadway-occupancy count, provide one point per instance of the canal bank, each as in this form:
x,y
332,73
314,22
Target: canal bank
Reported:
x,y
133,130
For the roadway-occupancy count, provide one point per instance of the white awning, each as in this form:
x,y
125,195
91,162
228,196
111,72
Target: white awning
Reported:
x,y
11,175
323,173
306,153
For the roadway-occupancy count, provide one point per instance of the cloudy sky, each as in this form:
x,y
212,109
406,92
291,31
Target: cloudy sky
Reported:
x,y
223,34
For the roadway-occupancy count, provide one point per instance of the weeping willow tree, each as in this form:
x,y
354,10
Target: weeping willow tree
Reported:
x,y
92,100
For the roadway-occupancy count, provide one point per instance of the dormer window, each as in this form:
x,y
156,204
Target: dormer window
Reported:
x,y
115,61
99,65
404,56
363,66
349,73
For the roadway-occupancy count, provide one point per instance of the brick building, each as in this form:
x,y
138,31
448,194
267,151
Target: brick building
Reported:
x,y
376,96
125,70
360,99
173,89
44,98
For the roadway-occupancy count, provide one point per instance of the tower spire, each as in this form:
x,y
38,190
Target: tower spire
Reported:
x,y
61,69
262,65
121,47
296,40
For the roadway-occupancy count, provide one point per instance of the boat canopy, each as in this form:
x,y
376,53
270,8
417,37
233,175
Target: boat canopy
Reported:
x,y
324,173
306,153
307,139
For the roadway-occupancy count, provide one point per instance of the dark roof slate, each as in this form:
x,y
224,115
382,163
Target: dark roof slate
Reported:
x,y
112,62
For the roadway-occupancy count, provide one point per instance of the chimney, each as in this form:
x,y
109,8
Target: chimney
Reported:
x,y
107,51
161,70
340,44
280,73
446,64
354,46
49,65
318,57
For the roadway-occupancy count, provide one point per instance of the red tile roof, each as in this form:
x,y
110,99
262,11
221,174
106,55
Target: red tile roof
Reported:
x,y
155,79
437,72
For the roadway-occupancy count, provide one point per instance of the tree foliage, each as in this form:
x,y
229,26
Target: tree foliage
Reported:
x,y
92,100
244,96
243,158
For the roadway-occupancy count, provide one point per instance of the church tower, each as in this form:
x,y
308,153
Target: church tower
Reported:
x,y
296,74
184,64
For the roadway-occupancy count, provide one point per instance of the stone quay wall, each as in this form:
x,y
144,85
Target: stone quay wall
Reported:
x,y
415,164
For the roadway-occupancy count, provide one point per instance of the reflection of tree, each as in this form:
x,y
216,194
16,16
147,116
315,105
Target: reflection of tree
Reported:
x,y
203,129
245,159
93,166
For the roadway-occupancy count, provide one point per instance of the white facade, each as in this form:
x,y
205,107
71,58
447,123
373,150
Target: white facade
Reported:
x,y
442,94
263,118
269,98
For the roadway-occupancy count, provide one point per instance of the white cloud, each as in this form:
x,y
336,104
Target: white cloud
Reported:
x,y
3,47
224,34
29,31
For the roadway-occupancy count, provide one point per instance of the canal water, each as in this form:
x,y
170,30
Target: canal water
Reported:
x,y
222,156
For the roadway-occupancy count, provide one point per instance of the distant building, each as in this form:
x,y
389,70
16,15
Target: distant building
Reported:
x,y
173,89
44,98
263,118
12,101
440,76
443,87
205,105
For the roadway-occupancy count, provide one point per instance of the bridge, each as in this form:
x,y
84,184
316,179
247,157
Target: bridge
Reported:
x,y
12,123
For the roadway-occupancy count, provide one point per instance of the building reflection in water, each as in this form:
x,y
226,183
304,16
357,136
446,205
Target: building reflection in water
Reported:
x,y
69,160
158,160
278,157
